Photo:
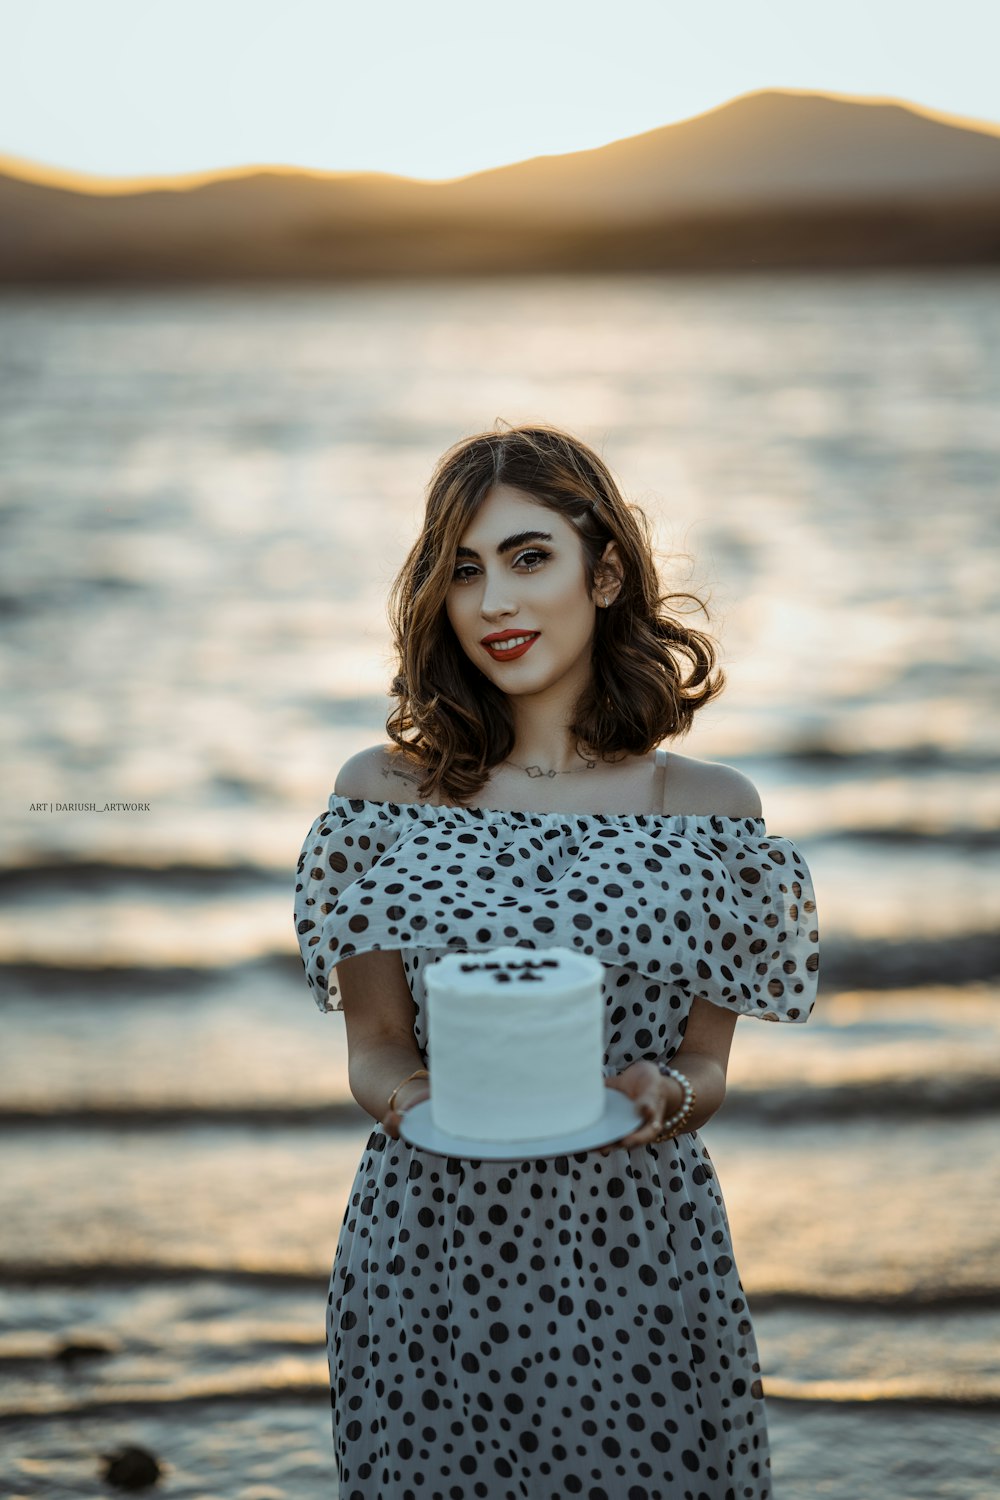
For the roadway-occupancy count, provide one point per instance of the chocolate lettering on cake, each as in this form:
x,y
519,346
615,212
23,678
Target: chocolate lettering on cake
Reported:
x,y
523,972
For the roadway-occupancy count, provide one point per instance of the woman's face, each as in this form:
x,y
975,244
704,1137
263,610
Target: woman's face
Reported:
x,y
519,571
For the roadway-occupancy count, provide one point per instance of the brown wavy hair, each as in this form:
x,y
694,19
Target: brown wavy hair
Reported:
x,y
453,723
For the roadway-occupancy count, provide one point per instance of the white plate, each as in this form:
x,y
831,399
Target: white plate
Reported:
x,y
619,1118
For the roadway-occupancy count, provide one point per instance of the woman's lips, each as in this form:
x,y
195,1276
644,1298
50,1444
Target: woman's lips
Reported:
x,y
511,651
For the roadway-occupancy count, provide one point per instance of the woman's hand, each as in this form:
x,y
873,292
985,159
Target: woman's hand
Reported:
x,y
656,1098
410,1094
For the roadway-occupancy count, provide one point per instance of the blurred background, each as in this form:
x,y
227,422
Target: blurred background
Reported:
x,y
774,307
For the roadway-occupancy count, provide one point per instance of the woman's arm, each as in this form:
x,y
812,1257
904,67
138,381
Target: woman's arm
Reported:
x,y
703,1058
377,1073
381,1044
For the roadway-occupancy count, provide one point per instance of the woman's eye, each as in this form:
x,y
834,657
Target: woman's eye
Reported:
x,y
532,559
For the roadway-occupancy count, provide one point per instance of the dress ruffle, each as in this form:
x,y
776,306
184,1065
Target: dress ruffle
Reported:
x,y
707,905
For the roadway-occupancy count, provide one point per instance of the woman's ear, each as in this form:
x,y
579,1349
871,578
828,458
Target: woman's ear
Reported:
x,y
608,575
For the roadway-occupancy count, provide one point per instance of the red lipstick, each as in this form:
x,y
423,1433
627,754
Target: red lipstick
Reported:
x,y
491,642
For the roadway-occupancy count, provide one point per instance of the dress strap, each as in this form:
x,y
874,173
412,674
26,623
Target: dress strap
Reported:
x,y
659,779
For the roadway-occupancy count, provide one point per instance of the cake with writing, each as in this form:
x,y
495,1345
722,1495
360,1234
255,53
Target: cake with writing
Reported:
x,y
516,1043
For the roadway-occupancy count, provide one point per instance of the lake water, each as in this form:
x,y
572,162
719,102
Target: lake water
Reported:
x,y
206,495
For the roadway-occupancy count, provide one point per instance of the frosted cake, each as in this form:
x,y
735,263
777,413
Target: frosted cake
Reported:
x,y
515,1043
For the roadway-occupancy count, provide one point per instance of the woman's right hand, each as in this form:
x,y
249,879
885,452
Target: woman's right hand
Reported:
x,y
410,1094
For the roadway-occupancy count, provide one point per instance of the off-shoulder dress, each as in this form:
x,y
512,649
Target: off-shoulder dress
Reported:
x,y
575,1325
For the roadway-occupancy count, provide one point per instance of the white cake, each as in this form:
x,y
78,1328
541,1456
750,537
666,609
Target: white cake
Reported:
x,y
515,1042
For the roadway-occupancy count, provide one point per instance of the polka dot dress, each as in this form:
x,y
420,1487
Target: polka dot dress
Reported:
x,y
574,1325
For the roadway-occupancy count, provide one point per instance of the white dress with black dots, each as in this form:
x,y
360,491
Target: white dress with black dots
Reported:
x,y
574,1325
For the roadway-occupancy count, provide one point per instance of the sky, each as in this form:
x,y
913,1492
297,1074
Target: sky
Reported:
x,y
441,88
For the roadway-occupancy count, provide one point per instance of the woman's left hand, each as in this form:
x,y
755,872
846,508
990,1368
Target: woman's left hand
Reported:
x,y
655,1097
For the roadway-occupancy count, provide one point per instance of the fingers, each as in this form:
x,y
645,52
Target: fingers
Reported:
x,y
644,1134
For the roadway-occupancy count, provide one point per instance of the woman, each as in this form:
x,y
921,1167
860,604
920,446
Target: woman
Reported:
x,y
573,1325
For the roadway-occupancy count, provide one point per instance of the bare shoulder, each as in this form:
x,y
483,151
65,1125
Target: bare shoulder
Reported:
x,y
381,773
709,786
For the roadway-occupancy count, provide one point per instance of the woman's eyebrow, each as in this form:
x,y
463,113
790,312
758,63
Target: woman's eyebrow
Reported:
x,y
508,543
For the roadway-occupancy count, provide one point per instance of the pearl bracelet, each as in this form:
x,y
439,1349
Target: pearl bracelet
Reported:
x,y
678,1119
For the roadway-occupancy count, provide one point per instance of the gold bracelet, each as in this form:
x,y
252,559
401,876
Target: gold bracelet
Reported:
x,y
417,1073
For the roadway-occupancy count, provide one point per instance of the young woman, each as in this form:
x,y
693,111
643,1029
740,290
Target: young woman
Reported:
x,y
572,1325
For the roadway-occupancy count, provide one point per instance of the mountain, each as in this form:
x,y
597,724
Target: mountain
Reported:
x,y
776,178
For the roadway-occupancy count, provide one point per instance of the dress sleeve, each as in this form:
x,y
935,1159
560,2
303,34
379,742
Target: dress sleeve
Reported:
x,y
340,849
752,941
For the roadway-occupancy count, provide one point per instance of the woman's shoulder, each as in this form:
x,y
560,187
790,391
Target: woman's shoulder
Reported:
x,y
384,773
709,786
380,773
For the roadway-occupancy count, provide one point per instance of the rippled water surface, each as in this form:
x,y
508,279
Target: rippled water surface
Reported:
x,y
205,496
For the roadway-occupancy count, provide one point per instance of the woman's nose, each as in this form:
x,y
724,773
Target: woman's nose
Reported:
x,y
496,598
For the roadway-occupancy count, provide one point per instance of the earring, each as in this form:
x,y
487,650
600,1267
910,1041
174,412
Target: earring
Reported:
x,y
605,598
